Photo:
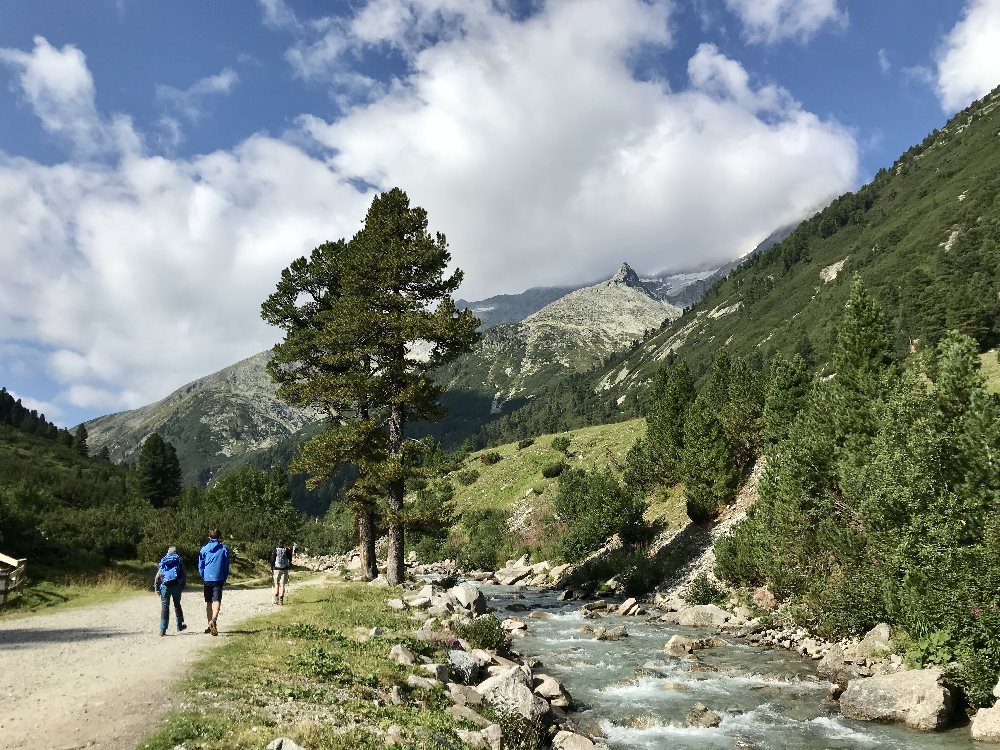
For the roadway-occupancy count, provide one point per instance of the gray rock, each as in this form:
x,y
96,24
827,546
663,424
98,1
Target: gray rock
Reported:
x,y
466,713
493,735
565,596
678,645
283,743
396,604
472,739
628,607
986,725
422,683
703,616
702,716
402,655
465,666
552,690
469,597
463,695
565,740
510,692
438,671
611,634
915,697
835,667
874,645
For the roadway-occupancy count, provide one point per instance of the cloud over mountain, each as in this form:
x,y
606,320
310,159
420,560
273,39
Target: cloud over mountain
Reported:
x,y
968,63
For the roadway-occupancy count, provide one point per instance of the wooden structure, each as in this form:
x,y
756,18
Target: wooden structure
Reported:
x,y
11,576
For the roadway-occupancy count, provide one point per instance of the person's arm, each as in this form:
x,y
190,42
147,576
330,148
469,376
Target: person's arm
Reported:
x,y
158,580
291,554
182,575
225,563
274,557
201,564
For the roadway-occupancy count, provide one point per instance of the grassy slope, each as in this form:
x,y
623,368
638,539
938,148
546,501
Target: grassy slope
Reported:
x,y
991,369
310,673
503,484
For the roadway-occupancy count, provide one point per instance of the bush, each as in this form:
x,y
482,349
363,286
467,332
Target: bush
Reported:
x,y
703,590
538,489
561,443
595,506
490,457
484,632
467,476
526,443
550,471
489,544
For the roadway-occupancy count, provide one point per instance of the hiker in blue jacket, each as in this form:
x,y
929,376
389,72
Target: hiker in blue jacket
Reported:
x,y
169,583
213,567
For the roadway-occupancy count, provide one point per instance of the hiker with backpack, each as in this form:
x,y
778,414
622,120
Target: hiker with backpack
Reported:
x,y
169,583
281,561
213,567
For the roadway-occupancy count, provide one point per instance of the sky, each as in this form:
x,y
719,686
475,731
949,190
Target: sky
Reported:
x,y
160,163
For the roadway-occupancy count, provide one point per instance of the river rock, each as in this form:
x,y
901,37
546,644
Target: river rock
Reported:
x,y
915,697
678,645
703,717
835,667
628,607
509,691
702,616
464,665
470,598
876,644
512,624
463,695
552,690
986,725
402,655
565,740
565,596
610,634
517,607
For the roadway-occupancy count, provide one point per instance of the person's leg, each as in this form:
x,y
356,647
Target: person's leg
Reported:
x,y
208,606
164,609
216,606
178,610
276,575
282,583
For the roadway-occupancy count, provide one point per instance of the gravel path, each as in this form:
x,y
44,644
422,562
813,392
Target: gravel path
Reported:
x,y
100,677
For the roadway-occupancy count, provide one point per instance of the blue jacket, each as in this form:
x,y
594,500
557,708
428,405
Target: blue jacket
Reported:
x,y
213,562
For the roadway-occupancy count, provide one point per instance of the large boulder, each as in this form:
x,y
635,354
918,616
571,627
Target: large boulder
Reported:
x,y
703,717
703,616
510,691
469,597
464,665
915,697
986,725
552,690
835,667
402,655
628,607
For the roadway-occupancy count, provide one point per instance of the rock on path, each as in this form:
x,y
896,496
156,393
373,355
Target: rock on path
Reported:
x,y
101,676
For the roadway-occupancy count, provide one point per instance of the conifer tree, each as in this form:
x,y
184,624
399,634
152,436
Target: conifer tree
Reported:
x,y
80,441
655,459
158,472
708,470
352,314
786,394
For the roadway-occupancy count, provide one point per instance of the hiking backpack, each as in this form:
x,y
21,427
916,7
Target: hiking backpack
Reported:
x,y
280,558
170,568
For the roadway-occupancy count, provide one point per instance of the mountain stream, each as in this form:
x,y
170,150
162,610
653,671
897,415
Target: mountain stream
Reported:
x,y
639,696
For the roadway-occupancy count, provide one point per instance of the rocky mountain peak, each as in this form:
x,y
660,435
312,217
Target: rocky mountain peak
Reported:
x,y
627,276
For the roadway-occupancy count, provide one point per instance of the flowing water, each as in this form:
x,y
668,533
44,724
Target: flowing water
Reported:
x,y
639,695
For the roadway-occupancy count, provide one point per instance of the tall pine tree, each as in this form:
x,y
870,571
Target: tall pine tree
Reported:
x,y
353,314
159,472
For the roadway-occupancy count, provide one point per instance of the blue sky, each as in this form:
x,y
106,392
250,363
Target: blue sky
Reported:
x,y
161,162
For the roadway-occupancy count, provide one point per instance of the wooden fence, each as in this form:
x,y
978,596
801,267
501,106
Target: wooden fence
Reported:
x,y
11,576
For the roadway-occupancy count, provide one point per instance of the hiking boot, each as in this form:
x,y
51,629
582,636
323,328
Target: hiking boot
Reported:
x,y
212,628
181,627
208,629
281,600
275,600
163,633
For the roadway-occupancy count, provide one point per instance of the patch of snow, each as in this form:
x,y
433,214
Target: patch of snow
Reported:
x,y
829,273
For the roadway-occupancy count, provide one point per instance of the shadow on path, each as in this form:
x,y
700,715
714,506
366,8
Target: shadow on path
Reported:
x,y
12,637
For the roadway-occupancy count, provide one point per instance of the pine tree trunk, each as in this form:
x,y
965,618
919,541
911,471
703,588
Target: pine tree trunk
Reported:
x,y
394,568
366,542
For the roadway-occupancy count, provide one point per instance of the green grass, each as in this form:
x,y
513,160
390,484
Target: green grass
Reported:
x,y
991,369
310,672
48,589
518,473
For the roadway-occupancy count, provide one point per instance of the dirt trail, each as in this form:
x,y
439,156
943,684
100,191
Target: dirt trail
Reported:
x,y
100,677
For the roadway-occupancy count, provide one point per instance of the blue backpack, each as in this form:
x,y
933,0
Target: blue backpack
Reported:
x,y
170,568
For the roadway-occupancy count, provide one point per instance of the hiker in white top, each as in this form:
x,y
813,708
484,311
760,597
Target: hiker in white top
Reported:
x,y
281,561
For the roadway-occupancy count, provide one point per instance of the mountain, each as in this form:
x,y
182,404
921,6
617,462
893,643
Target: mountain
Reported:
x,y
214,422
572,334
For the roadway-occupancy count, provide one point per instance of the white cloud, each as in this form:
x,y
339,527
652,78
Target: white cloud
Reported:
x,y
884,63
968,63
60,89
277,14
188,102
532,144
771,21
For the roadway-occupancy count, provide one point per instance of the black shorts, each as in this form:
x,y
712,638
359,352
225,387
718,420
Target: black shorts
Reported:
x,y
213,591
